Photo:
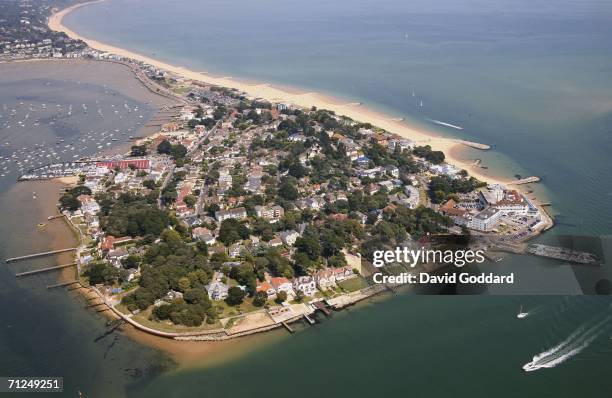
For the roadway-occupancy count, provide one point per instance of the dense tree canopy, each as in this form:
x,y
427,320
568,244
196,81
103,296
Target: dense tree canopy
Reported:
x,y
134,217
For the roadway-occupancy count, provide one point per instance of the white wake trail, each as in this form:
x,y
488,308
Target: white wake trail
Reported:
x,y
573,345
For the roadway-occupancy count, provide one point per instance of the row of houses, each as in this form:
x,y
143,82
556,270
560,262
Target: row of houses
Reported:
x,y
324,279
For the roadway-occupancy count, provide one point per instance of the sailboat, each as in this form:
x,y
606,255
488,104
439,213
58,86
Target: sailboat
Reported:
x,y
522,314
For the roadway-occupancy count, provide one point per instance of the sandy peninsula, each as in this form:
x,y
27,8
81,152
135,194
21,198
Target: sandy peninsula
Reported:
x,y
450,147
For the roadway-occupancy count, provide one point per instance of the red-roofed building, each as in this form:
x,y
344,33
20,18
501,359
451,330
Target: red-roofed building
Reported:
x,y
338,216
124,164
109,242
343,273
265,286
281,284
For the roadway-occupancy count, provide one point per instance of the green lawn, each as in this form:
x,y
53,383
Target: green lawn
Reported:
x,y
353,284
246,306
167,326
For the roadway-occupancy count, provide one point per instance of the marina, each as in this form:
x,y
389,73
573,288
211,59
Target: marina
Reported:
x,y
57,170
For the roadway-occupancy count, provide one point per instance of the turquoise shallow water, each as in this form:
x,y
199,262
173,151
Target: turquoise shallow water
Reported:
x,y
531,78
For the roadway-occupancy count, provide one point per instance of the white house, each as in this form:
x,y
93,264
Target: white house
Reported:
x,y
325,279
305,284
289,237
237,213
282,285
217,290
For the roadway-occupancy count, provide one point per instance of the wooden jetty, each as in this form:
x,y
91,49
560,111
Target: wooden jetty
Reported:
x,y
94,304
13,259
62,284
320,305
47,269
286,325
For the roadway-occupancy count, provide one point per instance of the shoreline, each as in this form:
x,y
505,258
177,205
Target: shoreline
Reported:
x,y
450,146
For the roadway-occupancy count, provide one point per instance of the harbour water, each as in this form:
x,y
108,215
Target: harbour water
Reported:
x,y
49,332
531,80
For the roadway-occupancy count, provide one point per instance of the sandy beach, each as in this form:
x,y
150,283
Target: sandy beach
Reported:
x,y
450,147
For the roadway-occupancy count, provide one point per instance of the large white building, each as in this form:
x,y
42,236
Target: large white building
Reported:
x,y
486,219
507,201
237,213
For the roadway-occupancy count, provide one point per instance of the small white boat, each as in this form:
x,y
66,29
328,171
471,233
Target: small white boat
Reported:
x,y
522,314
530,367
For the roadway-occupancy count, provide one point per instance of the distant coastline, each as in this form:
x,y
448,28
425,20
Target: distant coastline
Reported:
x,y
450,146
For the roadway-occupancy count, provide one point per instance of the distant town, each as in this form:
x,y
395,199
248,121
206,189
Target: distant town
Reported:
x,y
24,32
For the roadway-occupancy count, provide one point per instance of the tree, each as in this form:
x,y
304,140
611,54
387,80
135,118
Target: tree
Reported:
x,y
103,273
136,218
232,231
219,112
211,315
70,202
297,170
260,299
281,297
309,245
150,184
235,296
164,147
190,201
184,284
131,261
435,157
287,191
178,151
163,311
138,150
202,247
196,296
80,190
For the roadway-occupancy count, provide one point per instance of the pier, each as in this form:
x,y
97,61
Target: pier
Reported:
x,y
63,284
47,269
562,253
320,305
13,259
286,325
527,180
94,305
